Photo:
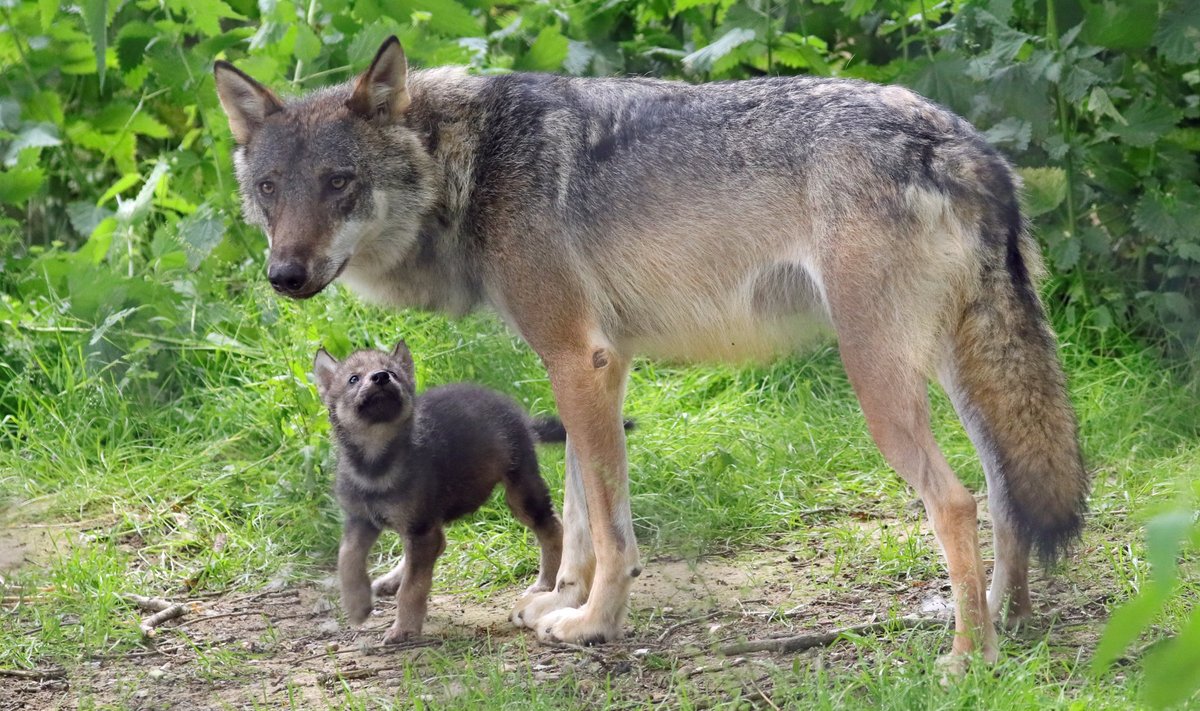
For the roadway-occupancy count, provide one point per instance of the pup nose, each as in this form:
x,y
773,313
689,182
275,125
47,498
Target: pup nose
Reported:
x,y
379,377
287,277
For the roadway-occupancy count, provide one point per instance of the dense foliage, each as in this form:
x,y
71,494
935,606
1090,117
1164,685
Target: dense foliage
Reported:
x,y
117,193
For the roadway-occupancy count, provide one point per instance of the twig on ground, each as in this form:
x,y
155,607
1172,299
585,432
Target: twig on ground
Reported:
x,y
150,623
694,620
824,639
706,668
152,604
362,673
36,674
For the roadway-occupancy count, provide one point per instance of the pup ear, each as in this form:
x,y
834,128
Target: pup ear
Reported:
x,y
246,102
324,367
382,91
404,357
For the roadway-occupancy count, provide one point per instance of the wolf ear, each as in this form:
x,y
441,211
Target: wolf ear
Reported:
x,y
246,102
324,367
404,356
382,91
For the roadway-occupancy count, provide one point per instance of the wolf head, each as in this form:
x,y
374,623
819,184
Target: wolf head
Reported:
x,y
325,174
369,394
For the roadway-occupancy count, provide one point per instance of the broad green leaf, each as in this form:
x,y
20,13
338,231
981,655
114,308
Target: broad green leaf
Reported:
x,y
99,242
19,183
1012,132
1100,104
85,217
445,16
47,9
95,18
547,52
200,233
308,45
1164,536
125,182
703,59
206,15
1147,120
1173,669
1121,24
1126,623
1178,35
681,5
1044,189
1171,216
579,57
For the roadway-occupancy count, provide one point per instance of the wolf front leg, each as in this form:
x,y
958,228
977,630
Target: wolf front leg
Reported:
x,y
421,551
589,386
358,535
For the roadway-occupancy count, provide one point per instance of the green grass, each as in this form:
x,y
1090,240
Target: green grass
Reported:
x,y
203,467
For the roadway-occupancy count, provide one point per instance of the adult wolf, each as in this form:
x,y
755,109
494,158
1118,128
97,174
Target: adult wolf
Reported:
x,y
603,218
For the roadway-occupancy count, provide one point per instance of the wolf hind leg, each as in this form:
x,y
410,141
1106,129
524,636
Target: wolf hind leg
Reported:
x,y
390,582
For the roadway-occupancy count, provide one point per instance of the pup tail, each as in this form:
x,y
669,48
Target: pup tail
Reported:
x,y
1010,391
550,429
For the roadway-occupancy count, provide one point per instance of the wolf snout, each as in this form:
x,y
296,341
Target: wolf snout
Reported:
x,y
380,377
287,277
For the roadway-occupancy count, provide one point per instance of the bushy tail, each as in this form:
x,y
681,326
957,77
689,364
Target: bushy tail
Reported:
x,y
1011,394
550,429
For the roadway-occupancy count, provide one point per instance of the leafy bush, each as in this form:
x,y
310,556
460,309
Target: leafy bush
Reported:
x,y
118,195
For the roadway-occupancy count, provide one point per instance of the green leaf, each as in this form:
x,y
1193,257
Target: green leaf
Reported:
x,y
445,16
1044,189
1011,131
131,212
1123,25
546,53
703,59
1146,121
37,135
95,18
20,182
206,15
200,233
1126,623
1173,669
47,9
681,5
308,45
85,217
1169,217
1164,537
1178,35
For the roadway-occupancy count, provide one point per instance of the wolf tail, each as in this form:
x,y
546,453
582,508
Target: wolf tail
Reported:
x,y
1010,391
550,429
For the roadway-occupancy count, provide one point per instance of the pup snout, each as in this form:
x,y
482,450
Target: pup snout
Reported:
x,y
287,277
380,377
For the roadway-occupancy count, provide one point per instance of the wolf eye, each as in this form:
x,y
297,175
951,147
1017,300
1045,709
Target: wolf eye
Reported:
x,y
353,379
266,187
338,182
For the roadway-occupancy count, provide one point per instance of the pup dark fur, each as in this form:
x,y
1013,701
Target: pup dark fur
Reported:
x,y
415,463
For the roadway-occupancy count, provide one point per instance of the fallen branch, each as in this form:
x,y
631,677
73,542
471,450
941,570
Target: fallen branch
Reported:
x,y
799,643
36,674
685,623
153,604
347,674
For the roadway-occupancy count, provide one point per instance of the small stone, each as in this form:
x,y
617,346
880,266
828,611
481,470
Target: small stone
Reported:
x,y
156,674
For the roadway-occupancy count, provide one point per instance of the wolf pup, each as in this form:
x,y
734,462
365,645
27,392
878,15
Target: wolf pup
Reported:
x,y
415,463
603,218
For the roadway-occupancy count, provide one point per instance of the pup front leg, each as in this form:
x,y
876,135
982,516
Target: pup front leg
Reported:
x,y
589,386
358,535
421,551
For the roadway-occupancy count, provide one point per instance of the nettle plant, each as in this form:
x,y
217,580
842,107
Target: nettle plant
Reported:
x,y
117,199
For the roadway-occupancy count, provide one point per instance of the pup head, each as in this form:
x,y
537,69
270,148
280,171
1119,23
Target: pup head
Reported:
x,y
327,174
367,390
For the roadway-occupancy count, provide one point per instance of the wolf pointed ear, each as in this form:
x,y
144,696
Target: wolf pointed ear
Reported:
x,y
404,357
246,102
324,367
382,91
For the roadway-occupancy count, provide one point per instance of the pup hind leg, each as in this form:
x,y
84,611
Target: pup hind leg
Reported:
x,y
528,498
389,583
421,551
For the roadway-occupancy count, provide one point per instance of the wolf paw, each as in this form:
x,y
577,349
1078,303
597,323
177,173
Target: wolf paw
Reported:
x,y
576,626
386,585
397,634
537,604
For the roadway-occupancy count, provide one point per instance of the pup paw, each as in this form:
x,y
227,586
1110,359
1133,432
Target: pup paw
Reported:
x,y
357,606
397,634
576,626
386,585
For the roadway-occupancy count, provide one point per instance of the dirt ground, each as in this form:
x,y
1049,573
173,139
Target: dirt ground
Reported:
x,y
289,645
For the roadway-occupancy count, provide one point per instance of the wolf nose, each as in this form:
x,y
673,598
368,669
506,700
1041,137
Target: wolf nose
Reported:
x,y
379,377
287,277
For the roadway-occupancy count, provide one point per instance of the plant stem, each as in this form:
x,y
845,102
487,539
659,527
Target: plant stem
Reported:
x,y
1064,126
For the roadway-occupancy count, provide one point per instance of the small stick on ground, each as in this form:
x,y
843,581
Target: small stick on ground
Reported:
x,y
240,613
36,674
150,623
363,673
379,649
152,604
799,643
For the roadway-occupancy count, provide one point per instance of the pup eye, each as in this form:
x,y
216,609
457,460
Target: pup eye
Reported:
x,y
338,182
266,187
353,379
